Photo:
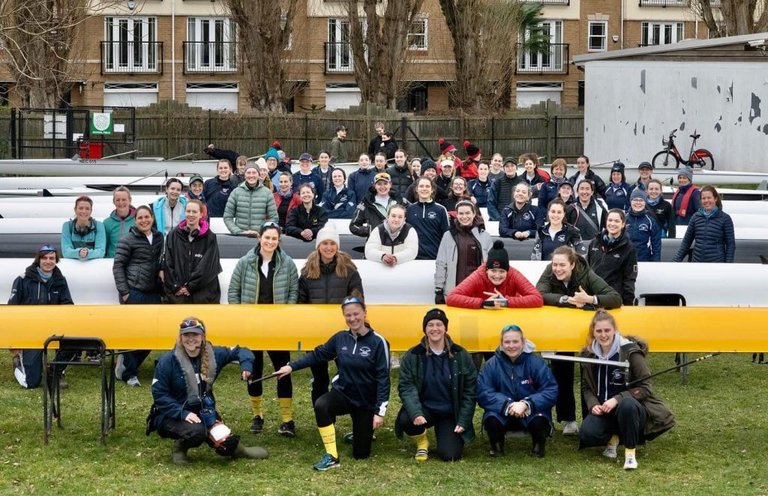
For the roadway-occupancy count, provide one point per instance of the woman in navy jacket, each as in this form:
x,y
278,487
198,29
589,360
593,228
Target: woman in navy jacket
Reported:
x,y
712,231
339,201
517,391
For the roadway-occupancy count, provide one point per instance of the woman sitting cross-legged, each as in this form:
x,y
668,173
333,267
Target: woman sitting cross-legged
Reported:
x,y
517,391
622,406
437,388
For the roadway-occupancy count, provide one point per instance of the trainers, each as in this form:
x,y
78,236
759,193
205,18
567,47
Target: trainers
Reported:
x,y
257,425
133,381
287,429
327,462
610,452
570,428
119,367
497,449
630,463
422,455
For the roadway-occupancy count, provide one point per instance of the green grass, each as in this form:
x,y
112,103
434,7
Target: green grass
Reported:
x,y
718,447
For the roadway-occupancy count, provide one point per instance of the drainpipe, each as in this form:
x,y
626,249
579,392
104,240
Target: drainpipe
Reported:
x,y
173,50
621,25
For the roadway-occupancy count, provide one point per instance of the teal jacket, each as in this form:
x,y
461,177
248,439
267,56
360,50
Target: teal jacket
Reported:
x,y
116,229
464,381
244,285
94,238
247,209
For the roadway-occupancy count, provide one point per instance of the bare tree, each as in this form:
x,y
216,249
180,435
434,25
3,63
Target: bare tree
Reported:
x,y
40,41
485,35
264,31
732,17
379,46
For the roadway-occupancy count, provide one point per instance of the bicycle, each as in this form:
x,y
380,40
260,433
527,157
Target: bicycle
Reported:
x,y
699,157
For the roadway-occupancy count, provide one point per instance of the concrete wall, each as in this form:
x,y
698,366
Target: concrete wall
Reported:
x,y
631,105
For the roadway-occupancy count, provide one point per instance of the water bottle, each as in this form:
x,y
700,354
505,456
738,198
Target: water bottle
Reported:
x,y
208,410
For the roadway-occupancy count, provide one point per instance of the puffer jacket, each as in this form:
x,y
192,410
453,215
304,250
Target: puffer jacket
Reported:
x,y
360,181
137,262
552,289
329,288
247,209
401,179
599,183
548,192
193,264
299,219
501,382
463,384
30,289
516,288
616,263
659,419
645,234
448,257
244,285
369,215
527,219
712,238
500,195
116,229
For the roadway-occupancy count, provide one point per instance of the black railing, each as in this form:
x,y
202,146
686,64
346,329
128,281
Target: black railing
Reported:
x,y
550,2
338,58
664,3
210,57
131,57
552,61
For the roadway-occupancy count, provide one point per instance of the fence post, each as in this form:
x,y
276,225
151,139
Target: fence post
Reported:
x,y
493,134
14,151
404,132
555,151
306,131
548,125
210,128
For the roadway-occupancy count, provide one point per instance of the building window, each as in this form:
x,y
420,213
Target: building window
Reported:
x,y
554,60
417,35
213,96
130,94
131,44
534,93
415,100
211,45
661,33
338,51
598,35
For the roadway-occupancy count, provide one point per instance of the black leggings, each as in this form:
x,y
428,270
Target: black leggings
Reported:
x,y
193,435
538,427
279,358
449,444
332,404
566,402
627,420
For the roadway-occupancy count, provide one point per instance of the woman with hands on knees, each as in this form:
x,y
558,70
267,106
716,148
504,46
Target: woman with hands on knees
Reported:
x,y
437,388
622,406
394,241
361,388
517,391
569,282
495,285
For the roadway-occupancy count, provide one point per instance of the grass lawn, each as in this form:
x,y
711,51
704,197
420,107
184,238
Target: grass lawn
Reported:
x,y
720,446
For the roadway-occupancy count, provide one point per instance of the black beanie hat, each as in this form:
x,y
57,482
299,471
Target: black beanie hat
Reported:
x,y
427,164
434,314
498,258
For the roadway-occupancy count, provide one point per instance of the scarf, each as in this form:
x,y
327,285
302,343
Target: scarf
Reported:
x,y
650,201
710,214
44,276
193,385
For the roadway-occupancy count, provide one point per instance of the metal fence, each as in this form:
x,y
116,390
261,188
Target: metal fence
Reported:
x,y
171,130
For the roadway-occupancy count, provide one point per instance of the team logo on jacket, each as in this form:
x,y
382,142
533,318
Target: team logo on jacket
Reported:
x,y
431,215
527,216
365,351
617,377
643,227
560,238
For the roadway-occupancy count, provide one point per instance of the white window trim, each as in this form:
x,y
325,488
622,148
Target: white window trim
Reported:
x,y
647,29
604,36
425,35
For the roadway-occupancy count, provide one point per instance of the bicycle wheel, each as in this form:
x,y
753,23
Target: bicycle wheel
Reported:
x,y
664,159
705,159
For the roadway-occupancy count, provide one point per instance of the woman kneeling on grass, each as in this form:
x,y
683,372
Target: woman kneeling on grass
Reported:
x,y
184,407
622,409
437,388
361,388
517,392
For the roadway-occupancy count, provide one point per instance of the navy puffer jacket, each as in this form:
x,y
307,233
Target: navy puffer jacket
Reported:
x,y
712,238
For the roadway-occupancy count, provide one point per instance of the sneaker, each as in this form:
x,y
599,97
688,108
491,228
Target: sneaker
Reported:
x,y
133,381
497,449
422,455
570,428
327,462
610,452
630,463
287,429
119,367
257,425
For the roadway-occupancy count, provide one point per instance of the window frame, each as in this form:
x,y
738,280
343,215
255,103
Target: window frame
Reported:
x,y
591,36
424,21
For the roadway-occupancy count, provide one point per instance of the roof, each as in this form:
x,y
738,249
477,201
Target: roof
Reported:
x,y
672,47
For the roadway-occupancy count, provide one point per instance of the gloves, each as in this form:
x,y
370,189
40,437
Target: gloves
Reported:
x,y
439,297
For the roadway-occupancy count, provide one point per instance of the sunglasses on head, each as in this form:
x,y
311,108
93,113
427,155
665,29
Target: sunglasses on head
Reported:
x,y
511,327
271,224
46,248
191,324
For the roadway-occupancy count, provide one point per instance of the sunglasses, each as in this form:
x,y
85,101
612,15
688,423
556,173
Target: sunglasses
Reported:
x,y
511,327
191,324
351,299
46,248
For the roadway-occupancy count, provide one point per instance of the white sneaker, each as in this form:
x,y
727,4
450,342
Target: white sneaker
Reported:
x,y
630,463
570,428
133,382
610,452
394,362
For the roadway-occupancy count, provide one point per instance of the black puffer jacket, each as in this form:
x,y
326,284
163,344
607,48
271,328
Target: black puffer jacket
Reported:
x,y
401,179
30,289
329,288
368,216
192,264
616,263
137,263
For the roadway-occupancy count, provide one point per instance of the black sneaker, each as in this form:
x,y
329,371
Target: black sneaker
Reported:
x,y
257,425
497,449
287,429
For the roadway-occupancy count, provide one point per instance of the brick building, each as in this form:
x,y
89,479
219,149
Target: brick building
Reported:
x,y
187,50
